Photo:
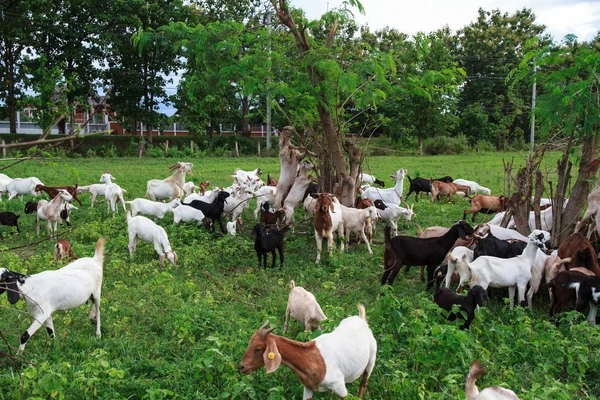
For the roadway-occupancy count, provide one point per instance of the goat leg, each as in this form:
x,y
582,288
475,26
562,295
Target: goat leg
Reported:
x,y
273,256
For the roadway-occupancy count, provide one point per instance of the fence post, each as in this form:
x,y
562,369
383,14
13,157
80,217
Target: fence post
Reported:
x,y
166,147
3,149
192,145
18,121
237,150
259,149
174,128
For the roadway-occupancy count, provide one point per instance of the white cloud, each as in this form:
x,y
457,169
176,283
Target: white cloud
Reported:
x,y
560,16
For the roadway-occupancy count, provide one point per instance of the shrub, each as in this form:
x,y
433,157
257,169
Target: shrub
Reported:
x,y
446,145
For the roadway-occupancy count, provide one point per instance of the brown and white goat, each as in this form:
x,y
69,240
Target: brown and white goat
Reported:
x,y
328,219
62,249
485,203
326,363
489,393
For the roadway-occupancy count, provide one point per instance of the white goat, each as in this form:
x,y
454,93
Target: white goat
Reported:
x,y
289,158
113,193
95,190
392,213
4,180
499,232
232,225
297,192
143,228
187,213
208,197
310,205
513,273
21,186
545,216
264,194
475,187
171,187
593,203
236,205
325,364
458,261
303,307
152,208
190,187
354,220
369,179
390,195
62,289
50,211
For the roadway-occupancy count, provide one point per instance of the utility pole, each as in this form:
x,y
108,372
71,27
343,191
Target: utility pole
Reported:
x,y
531,135
269,83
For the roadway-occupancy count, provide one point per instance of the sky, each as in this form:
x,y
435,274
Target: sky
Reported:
x,y
560,17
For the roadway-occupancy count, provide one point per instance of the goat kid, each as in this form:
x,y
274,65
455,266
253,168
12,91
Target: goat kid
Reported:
x,y
10,219
328,220
588,292
267,241
303,307
113,193
62,249
63,289
489,393
51,211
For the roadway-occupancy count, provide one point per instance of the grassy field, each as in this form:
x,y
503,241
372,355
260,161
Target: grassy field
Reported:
x,y
180,331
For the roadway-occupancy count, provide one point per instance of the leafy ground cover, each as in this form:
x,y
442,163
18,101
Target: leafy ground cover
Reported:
x,y
180,331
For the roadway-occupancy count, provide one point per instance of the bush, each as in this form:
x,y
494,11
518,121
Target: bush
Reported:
x,y
446,145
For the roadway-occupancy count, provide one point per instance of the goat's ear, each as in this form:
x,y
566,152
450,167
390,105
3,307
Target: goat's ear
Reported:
x,y
271,356
12,292
461,232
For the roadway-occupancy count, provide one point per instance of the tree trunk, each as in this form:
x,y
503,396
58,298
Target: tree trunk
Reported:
x,y
210,130
149,133
579,192
420,144
246,132
134,127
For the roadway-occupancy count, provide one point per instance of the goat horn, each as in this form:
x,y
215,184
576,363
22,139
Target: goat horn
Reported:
x,y
264,325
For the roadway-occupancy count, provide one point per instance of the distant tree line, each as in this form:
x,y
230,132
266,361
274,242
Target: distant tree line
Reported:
x,y
230,57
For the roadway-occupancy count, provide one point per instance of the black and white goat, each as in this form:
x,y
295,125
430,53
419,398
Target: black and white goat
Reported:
x,y
52,290
588,292
267,241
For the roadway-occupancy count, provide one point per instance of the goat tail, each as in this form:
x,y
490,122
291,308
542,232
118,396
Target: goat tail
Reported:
x,y
362,314
99,254
128,215
292,284
475,372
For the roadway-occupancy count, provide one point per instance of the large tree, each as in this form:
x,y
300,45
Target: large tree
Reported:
x,y
488,49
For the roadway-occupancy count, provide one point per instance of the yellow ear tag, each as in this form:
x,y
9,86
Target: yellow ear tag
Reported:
x,y
271,355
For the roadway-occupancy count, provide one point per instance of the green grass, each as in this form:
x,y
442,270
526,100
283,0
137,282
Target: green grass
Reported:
x,y
180,331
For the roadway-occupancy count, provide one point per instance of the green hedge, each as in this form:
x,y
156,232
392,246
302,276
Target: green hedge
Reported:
x,y
446,145
120,146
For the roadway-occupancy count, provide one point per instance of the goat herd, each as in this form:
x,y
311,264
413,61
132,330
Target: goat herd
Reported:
x,y
484,256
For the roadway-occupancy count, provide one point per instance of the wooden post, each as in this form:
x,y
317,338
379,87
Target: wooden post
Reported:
x,y
72,142
3,149
166,147
237,150
192,145
259,148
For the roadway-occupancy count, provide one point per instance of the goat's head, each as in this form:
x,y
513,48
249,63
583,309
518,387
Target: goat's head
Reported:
x,y
399,174
409,211
30,207
203,186
373,214
365,203
463,229
262,350
258,230
223,195
324,202
107,178
266,207
482,230
9,282
258,171
539,237
171,256
479,295
63,194
271,181
446,179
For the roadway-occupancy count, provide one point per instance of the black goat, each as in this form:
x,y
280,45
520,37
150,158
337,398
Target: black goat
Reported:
x,y
587,293
492,246
10,219
267,241
409,251
419,185
31,207
212,211
446,298
312,188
